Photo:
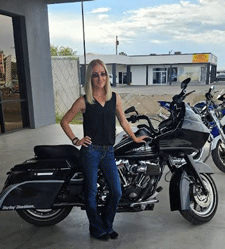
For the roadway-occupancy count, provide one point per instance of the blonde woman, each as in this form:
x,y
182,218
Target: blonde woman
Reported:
x,y
99,107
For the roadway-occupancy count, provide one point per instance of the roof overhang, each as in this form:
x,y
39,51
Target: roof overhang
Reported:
x,y
64,1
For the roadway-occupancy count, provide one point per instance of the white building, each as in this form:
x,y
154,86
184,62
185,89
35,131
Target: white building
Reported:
x,y
158,69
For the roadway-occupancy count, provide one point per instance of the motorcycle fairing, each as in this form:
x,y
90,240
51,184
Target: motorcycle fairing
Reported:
x,y
182,139
202,167
215,141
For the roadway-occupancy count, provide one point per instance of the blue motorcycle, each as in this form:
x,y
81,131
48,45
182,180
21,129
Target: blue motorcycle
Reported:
x,y
213,116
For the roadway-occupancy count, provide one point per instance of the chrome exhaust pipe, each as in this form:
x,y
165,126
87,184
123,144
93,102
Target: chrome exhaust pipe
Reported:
x,y
143,204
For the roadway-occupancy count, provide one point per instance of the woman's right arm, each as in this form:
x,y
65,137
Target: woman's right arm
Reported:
x,y
79,105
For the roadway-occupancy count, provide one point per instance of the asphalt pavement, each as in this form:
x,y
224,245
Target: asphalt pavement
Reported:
x,y
166,89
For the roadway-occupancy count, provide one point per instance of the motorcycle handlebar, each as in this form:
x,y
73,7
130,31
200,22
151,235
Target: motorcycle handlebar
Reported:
x,y
135,118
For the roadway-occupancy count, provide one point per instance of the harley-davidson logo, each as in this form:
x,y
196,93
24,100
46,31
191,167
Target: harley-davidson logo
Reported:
x,y
17,207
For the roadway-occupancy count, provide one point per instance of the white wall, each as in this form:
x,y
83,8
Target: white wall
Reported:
x,y
138,75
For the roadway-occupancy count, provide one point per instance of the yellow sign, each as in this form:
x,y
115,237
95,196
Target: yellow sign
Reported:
x,y
199,58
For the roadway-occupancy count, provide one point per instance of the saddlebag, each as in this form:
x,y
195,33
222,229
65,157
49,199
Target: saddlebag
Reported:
x,y
34,184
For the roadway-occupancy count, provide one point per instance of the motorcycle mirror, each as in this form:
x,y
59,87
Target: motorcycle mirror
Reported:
x,y
184,83
212,87
130,109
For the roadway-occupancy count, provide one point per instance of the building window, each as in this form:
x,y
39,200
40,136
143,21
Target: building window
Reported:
x,y
123,77
174,74
160,75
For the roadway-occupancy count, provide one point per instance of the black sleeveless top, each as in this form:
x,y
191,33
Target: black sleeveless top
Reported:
x,y
99,123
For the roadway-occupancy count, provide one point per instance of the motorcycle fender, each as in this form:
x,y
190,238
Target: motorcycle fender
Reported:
x,y
202,167
30,194
214,142
179,191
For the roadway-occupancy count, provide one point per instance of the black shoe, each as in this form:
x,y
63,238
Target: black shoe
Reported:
x,y
113,235
103,237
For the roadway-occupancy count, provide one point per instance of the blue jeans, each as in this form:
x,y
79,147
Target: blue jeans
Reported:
x,y
94,157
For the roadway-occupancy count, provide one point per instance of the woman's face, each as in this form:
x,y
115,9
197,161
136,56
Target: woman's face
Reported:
x,y
99,76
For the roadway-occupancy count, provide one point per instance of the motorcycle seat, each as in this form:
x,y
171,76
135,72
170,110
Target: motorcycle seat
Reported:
x,y
58,152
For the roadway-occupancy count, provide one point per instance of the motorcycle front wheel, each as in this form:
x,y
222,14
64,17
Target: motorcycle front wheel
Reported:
x,y
218,156
44,217
202,207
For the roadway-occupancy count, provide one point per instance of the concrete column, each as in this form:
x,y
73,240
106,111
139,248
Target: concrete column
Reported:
x,y
128,75
114,74
213,73
170,70
146,75
207,73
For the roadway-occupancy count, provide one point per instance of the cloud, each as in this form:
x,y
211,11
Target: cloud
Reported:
x,y
213,37
102,16
100,10
158,41
199,22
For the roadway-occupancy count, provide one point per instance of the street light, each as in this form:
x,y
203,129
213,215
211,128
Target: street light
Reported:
x,y
117,43
82,9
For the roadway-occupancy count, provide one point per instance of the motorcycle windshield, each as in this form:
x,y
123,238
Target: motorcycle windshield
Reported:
x,y
192,121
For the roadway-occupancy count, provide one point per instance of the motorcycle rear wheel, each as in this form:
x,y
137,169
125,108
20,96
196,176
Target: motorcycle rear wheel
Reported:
x,y
202,207
218,156
44,217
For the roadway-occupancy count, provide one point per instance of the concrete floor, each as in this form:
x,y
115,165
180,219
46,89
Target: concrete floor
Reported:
x,y
158,229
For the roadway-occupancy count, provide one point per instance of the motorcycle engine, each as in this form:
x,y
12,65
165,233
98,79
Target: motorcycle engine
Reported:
x,y
136,176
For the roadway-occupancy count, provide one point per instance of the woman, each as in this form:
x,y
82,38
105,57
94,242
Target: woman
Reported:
x,y
99,107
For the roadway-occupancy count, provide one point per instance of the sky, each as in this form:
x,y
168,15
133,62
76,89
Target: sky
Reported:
x,y
143,27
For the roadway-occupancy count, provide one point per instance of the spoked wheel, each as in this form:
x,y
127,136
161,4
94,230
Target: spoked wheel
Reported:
x,y
202,207
44,217
218,155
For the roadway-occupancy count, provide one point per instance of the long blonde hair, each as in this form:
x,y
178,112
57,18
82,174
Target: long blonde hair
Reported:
x,y
88,83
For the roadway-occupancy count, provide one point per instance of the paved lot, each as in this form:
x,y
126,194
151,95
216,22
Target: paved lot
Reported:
x,y
158,229
161,90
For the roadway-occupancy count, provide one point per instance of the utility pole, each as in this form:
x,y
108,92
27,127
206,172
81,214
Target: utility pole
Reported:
x,y
82,9
117,43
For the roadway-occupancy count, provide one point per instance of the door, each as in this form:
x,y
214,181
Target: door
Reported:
x,y
160,76
13,100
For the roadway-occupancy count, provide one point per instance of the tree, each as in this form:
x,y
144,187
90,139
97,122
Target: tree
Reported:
x,y
54,50
122,53
62,51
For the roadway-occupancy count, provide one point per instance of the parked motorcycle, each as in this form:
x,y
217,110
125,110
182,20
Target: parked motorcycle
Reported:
x,y
44,189
213,116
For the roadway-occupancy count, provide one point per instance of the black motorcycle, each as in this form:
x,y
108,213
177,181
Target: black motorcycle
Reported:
x,y
44,189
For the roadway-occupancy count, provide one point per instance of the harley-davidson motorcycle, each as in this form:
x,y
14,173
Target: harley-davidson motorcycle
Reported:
x,y
44,189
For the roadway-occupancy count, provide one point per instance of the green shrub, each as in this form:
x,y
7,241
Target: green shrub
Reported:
x,y
77,120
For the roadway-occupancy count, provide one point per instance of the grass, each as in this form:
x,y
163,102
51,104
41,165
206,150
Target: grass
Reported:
x,y
77,120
